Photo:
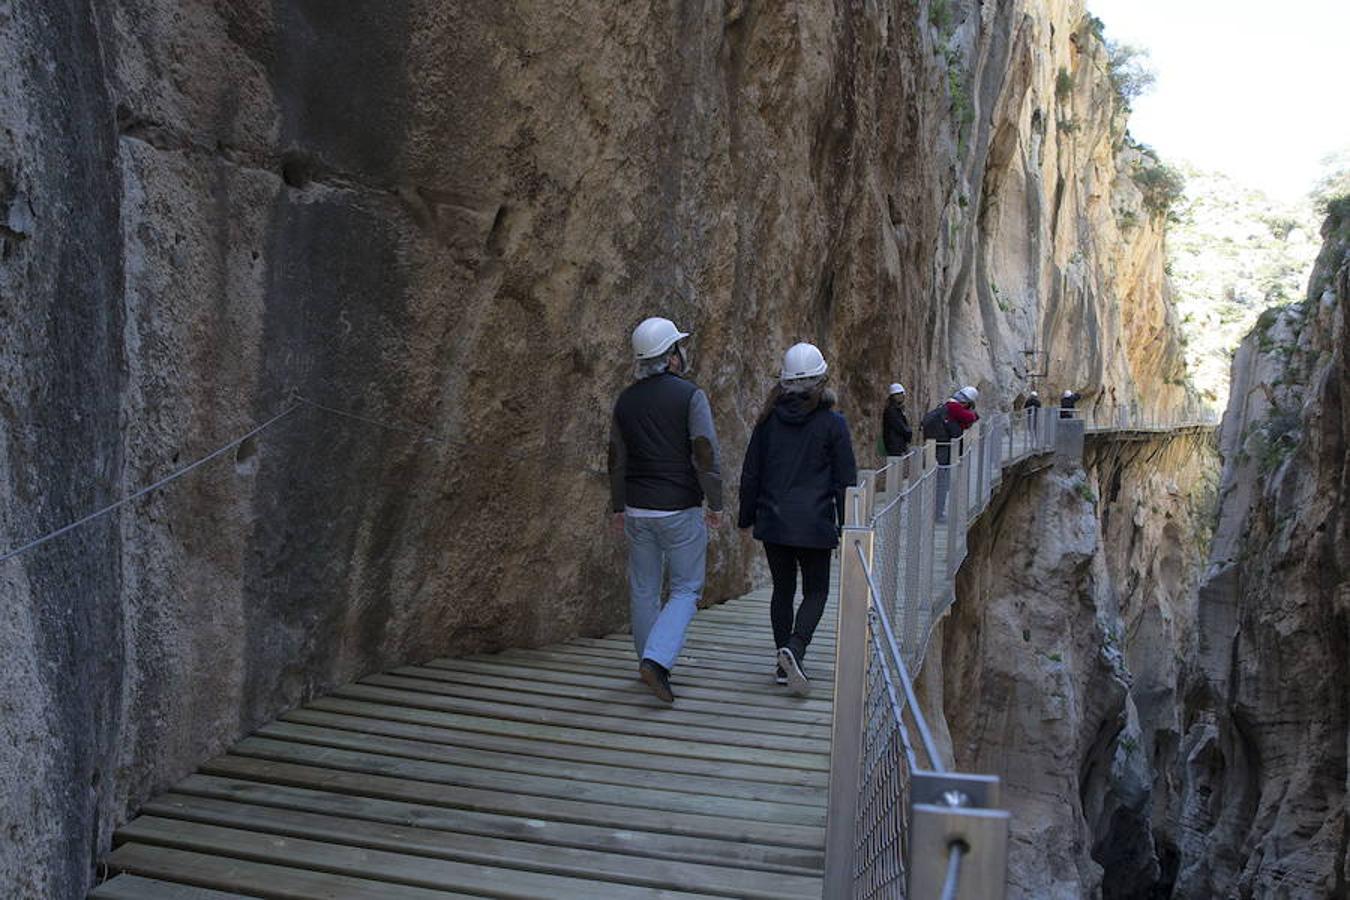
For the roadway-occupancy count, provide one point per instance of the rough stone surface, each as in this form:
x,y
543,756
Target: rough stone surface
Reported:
x,y
1268,703
446,218
1059,661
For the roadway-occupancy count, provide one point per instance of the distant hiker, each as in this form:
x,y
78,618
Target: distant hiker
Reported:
x,y
1034,417
796,470
895,431
663,462
945,424
1067,402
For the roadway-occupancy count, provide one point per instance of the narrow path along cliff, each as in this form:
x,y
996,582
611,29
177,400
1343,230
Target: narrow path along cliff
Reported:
x,y
414,238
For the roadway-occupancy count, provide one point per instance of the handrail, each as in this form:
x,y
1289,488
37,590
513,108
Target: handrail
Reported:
x,y
878,610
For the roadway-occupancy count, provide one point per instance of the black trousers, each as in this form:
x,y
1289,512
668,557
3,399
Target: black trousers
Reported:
x,y
791,630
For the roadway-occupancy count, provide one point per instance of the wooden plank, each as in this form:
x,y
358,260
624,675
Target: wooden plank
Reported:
x,y
525,785
756,629
612,704
562,767
584,692
656,726
547,808
375,865
134,887
759,683
701,670
645,844
687,667
549,680
532,749
752,632
726,636
738,661
259,879
498,852
783,759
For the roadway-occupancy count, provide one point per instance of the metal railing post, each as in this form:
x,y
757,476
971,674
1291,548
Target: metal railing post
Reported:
x,y
869,495
981,467
956,507
950,809
856,512
850,687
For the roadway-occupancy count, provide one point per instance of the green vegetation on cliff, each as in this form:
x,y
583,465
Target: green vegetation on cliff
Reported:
x,y
1234,252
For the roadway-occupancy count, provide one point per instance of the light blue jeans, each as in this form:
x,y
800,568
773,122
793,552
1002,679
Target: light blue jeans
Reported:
x,y
680,542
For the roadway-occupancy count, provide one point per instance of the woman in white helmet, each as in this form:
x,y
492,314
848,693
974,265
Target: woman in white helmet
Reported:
x,y
797,468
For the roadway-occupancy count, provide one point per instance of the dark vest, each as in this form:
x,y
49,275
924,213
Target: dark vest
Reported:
x,y
653,417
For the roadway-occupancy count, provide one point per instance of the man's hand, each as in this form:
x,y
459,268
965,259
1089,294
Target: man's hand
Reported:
x,y
616,524
713,518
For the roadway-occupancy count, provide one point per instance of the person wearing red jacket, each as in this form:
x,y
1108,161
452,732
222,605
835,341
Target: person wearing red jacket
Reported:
x,y
960,415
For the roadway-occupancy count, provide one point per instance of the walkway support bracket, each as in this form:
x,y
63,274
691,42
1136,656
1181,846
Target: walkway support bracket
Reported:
x,y
950,808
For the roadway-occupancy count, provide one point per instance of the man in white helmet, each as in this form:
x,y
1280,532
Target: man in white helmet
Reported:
x,y
1032,408
664,462
895,431
1068,401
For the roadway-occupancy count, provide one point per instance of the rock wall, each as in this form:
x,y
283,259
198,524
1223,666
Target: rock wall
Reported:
x,y
1268,702
440,222
1057,667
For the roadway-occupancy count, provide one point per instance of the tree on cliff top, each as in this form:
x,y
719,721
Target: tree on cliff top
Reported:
x,y
1130,73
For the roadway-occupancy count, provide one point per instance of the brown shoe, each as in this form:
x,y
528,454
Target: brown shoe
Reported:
x,y
656,677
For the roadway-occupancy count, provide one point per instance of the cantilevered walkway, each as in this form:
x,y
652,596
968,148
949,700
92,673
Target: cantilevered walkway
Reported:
x,y
554,773
528,773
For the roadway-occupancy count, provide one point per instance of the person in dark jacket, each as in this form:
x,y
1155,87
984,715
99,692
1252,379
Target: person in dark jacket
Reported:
x,y
1067,403
1032,409
895,431
663,465
797,468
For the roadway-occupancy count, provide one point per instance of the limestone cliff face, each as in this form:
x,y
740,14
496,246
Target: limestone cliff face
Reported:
x,y
444,219
1058,664
1268,703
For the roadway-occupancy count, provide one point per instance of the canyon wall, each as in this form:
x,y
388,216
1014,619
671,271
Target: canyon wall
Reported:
x,y
1057,667
1268,700
420,233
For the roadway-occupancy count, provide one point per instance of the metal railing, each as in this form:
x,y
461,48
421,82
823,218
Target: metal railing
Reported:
x,y
897,829
891,819
1132,418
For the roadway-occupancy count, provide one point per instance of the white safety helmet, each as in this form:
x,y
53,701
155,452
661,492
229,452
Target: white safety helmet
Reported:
x,y
967,394
1068,394
894,389
1034,394
654,336
802,361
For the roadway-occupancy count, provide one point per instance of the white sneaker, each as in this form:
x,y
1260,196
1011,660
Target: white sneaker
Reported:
x,y
797,681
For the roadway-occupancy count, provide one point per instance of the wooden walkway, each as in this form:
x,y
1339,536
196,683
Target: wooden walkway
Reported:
x,y
528,773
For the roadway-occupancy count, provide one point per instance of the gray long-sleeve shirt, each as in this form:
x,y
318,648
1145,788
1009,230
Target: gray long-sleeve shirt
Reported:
x,y
705,455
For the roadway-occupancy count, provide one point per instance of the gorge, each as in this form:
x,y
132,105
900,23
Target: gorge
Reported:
x,y
421,232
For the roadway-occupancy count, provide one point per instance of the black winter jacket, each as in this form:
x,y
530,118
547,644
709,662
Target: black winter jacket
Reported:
x,y
895,431
797,467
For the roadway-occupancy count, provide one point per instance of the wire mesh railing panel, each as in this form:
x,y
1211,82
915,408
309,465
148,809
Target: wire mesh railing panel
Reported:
x,y
888,529
880,851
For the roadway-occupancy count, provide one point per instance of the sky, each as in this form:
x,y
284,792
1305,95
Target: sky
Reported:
x,y
1256,90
